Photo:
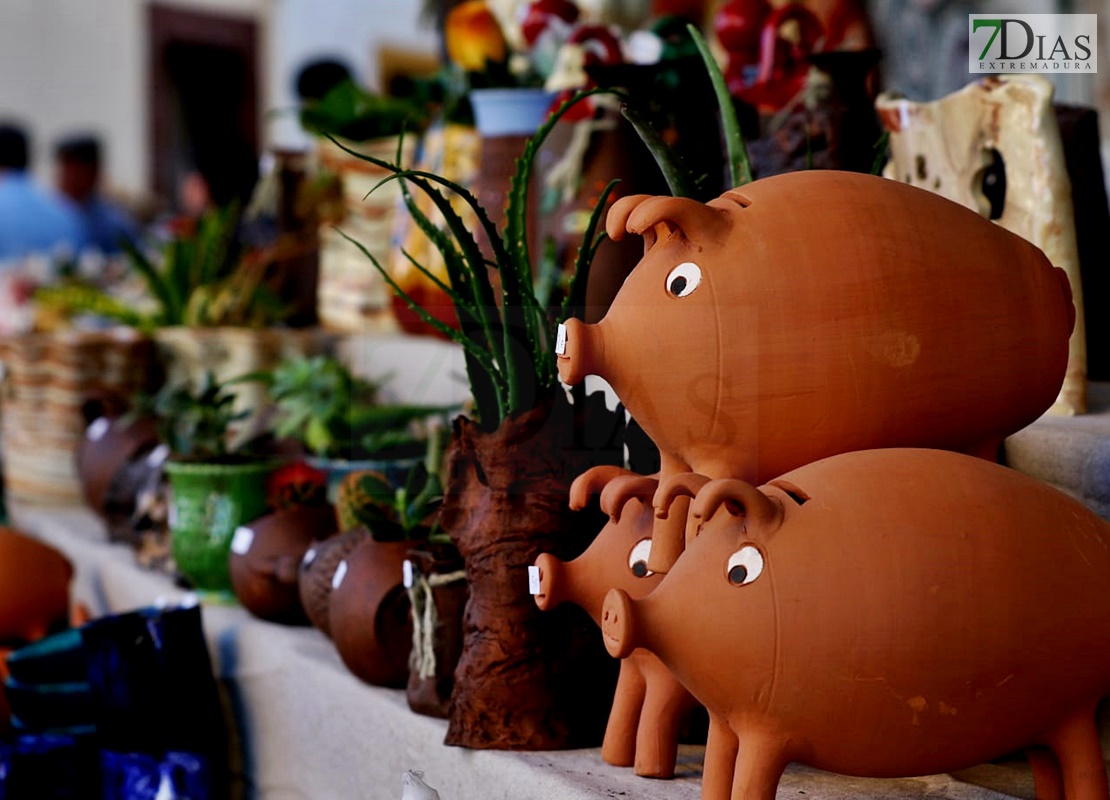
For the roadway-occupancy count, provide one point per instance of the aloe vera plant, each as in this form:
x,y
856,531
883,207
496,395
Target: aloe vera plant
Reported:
x,y
507,334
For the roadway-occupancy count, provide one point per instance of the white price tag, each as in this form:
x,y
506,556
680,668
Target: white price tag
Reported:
x,y
406,574
340,574
157,457
533,579
97,428
242,540
561,340
309,557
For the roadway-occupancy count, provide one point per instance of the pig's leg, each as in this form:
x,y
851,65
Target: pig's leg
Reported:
x,y
1048,783
619,745
1076,746
720,760
657,738
759,767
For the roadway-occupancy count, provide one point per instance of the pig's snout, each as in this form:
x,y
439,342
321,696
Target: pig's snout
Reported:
x,y
618,625
551,581
579,351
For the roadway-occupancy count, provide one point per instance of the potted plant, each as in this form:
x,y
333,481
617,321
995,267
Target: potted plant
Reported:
x,y
214,487
337,419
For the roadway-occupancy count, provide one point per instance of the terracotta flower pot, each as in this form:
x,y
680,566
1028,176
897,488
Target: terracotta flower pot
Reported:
x,y
316,570
265,556
526,680
34,588
368,613
437,596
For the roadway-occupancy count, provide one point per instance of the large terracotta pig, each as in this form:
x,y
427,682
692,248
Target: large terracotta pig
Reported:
x,y
821,312
886,613
649,704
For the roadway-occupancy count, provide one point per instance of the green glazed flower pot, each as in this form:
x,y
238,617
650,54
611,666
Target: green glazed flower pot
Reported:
x,y
207,503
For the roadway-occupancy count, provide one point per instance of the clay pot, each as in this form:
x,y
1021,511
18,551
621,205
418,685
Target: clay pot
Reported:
x,y
526,680
265,555
878,335
34,588
437,597
109,444
316,570
368,613
889,598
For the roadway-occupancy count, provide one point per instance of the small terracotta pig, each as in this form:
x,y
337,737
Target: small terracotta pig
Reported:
x,y
821,312
886,613
34,588
649,704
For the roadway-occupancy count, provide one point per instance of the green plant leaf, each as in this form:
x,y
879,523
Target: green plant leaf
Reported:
x,y
740,168
675,173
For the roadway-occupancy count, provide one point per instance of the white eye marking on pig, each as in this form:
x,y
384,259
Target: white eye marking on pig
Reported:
x,y
684,279
745,565
638,558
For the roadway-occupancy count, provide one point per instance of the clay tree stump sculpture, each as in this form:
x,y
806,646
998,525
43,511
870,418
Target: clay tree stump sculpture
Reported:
x,y
886,613
650,705
815,313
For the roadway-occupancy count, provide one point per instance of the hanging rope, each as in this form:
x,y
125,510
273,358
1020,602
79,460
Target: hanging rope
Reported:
x,y
425,619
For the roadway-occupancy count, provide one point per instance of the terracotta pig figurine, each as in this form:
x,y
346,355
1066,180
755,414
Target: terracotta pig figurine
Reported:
x,y
649,704
821,312
886,613
34,587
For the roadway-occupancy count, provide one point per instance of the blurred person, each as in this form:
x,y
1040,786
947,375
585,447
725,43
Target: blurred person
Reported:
x,y
32,222
78,167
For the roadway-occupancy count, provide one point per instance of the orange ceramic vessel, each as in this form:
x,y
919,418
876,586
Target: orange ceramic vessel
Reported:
x,y
649,704
34,588
886,613
821,312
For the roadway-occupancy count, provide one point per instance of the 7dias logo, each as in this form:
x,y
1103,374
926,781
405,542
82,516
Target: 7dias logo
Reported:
x,y
1033,43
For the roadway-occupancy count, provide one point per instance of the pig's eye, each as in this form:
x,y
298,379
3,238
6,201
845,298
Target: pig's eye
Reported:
x,y
745,565
684,279
638,558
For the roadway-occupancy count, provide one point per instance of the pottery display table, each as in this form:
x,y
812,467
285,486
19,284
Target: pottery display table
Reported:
x,y
309,729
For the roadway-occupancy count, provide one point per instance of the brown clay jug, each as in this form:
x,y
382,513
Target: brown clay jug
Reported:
x,y
265,556
316,570
886,613
34,588
368,613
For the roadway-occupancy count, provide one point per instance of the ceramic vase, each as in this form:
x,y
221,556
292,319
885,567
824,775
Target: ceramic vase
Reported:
x,y
266,554
437,595
368,613
34,587
316,570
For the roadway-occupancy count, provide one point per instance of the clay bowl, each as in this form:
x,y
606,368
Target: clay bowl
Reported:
x,y
369,613
34,588
265,555
317,569
109,444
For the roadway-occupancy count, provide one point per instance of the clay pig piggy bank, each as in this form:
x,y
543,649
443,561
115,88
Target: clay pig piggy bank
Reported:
x,y
821,312
886,613
649,705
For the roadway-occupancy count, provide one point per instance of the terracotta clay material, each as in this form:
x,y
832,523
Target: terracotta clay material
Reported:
x,y
886,613
438,597
265,556
109,444
650,704
316,570
34,588
820,312
368,613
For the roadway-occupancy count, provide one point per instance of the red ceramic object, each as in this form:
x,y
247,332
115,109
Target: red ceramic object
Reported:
x,y
649,704
368,613
34,588
820,312
265,555
886,613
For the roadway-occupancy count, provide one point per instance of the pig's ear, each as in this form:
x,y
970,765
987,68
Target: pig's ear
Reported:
x,y
684,484
738,498
641,214
592,481
620,490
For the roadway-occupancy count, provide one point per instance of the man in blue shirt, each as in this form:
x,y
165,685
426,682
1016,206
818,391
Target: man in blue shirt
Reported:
x,y
31,221
106,223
